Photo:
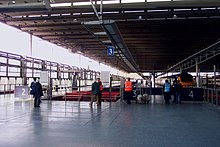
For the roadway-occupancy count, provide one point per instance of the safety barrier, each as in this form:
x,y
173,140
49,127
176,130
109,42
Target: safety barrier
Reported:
x,y
7,88
186,94
212,96
86,95
110,95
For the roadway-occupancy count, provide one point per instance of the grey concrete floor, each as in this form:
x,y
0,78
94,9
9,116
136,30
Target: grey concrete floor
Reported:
x,y
75,124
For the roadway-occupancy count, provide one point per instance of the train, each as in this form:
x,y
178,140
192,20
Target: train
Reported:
x,y
186,79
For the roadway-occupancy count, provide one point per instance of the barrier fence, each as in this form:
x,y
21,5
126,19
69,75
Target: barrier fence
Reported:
x,y
212,96
83,93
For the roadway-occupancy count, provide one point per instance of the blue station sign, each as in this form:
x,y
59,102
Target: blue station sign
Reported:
x,y
111,50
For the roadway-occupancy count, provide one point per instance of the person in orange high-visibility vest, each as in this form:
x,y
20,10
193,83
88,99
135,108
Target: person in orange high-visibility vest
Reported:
x,y
128,91
99,101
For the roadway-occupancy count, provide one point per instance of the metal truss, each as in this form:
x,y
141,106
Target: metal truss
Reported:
x,y
197,58
111,30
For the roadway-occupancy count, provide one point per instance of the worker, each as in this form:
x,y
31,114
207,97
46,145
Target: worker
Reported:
x,y
99,101
128,91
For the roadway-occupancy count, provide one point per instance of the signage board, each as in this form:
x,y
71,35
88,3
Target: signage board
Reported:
x,y
22,92
105,78
44,77
111,50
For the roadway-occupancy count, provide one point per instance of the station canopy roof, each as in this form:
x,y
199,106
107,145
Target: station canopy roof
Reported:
x,y
147,35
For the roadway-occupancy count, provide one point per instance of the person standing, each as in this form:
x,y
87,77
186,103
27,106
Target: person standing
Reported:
x,y
95,92
178,91
38,92
32,86
128,91
173,89
100,93
166,90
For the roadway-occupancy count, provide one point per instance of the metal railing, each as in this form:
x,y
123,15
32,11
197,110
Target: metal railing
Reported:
x,y
212,96
8,88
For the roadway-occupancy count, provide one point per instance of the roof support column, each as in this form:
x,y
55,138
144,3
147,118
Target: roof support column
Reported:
x,y
122,86
207,81
153,79
23,71
214,70
101,12
181,69
31,44
197,74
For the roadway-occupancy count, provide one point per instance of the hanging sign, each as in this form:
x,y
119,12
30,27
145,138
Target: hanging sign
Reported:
x,y
111,50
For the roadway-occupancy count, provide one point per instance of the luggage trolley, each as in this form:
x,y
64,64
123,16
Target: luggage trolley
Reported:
x,y
143,97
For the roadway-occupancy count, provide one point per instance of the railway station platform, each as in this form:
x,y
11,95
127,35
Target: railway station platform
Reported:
x,y
116,124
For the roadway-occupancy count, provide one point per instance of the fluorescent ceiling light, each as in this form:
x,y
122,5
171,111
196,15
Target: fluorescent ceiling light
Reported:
x,y
132,1
146,74
158,0
100,33
108,2
81,3
107,41
61,5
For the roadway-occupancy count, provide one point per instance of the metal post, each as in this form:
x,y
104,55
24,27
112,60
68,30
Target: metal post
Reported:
x,y
214,68
79,89
154,79
23,71
51,84
122,89
181,69
101,9
10,88
110,89
212,95
7,70
4,88
208,95
50,89
207,81
197,74
65,96
31,44
94,8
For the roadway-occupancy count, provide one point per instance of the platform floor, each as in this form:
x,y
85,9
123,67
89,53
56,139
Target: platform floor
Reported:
x,y
75,124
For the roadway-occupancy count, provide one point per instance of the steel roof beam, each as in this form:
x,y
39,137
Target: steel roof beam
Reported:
x,y
122,16
198,57
27,5
129,7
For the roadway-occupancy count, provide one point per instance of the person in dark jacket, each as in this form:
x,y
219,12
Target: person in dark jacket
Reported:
x,y
178,91
95,92
32,86
37,92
